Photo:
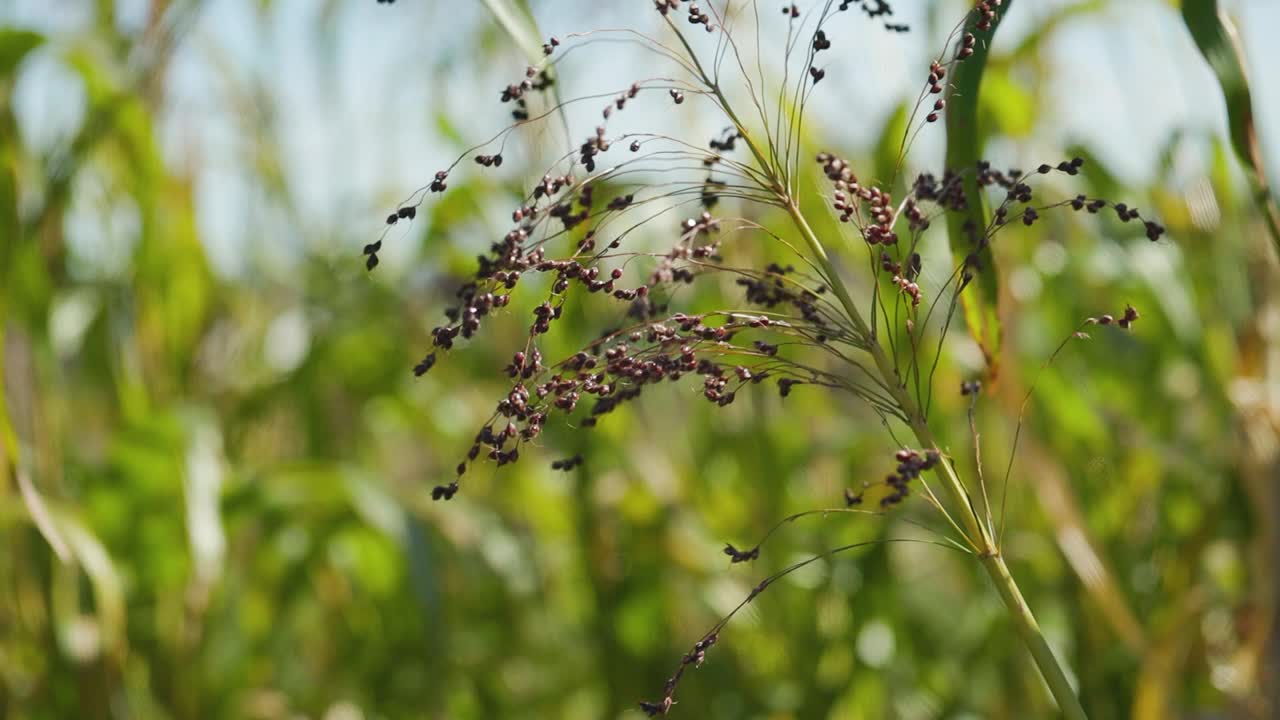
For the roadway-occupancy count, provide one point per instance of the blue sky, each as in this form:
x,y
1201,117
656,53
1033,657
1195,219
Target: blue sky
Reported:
x,y
355,106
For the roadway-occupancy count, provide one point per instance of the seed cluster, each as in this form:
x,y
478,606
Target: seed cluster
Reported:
x,y
665,6
697,17
695,658
772,290
564,230
911,463
904,277
615,372
820,40
738,556
874,213
567,464
535,79
874,9
1127,319
616,369
986,12
371,250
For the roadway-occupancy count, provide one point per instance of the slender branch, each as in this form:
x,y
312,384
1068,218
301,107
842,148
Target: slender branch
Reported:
x,y
977,533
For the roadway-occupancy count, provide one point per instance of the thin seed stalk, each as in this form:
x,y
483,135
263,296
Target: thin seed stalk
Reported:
x,y
977,533
1024,622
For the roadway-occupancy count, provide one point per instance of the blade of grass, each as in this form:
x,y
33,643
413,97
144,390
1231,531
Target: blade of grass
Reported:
x,y
515,26
15,45
520,25
975,532
972,527
1215,35
964,150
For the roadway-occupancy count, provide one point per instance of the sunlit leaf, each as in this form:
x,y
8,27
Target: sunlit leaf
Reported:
x,y
1216,36
14,47
889,145
92,558
980,302
1005,105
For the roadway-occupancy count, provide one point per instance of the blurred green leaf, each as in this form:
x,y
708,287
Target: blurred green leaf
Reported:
x,y
517,24
92,558
258,533
889,144
39,512
1005,105
1216,37
14,47
980,304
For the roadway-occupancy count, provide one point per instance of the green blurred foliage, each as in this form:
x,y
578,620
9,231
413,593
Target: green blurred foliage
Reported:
x,y
198,523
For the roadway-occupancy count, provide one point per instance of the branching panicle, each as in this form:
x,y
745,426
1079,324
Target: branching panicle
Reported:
x,y
800,325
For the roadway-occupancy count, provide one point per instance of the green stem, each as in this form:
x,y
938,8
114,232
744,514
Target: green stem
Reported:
x,y
975,530
977,533
1029,630
1216,37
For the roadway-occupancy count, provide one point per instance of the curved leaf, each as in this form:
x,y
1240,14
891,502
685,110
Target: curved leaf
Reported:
x,y
964,150
14,46
1215,36
518,22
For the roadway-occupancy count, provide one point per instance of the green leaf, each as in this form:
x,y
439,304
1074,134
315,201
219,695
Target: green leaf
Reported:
x,y
1215,36
8,199
888,147
14,46
91,557
1006,105
980,303
518,27
518,22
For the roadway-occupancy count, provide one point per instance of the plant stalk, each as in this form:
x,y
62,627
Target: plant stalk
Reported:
x,y
979,534
980,537
1029,630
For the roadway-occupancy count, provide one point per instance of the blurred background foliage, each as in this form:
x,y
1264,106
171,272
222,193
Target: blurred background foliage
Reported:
x,y
217,463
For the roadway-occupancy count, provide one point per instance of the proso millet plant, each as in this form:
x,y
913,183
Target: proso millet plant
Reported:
x,y
799,325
